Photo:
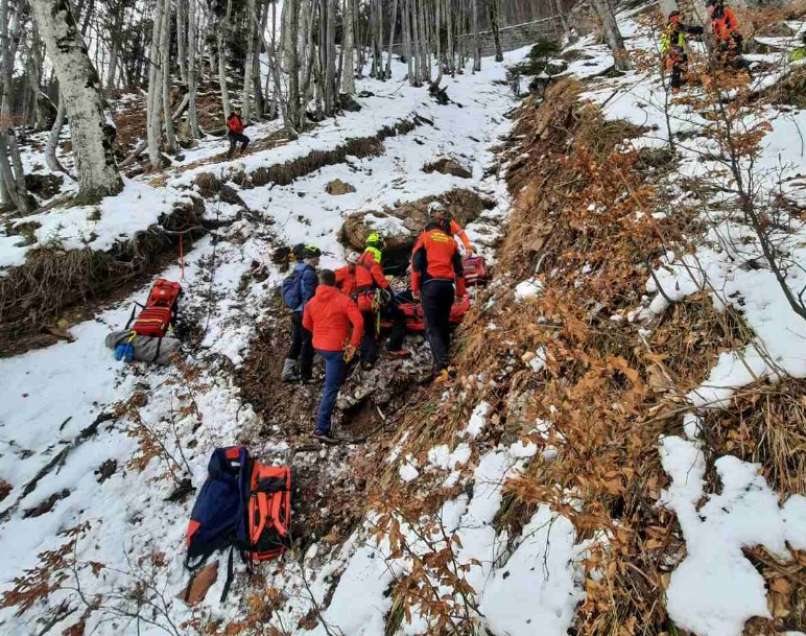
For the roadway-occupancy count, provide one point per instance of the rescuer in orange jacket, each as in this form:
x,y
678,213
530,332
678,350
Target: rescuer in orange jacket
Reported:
x,y
330,316
436,266
235,134
725,25
438,213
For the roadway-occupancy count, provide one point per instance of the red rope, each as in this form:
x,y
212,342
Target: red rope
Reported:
x,y
182,255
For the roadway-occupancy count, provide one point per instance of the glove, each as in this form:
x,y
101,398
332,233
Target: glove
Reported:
x,y
125,352
349,353
460,287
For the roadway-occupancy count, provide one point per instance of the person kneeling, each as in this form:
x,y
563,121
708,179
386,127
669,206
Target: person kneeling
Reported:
x,y
329,316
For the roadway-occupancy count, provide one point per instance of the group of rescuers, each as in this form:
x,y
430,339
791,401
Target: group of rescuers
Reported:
x,y
725,29
340,311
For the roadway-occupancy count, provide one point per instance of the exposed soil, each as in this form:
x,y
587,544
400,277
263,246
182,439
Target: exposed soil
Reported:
x,y
66,287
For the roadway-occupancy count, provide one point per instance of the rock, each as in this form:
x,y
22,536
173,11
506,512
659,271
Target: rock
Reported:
x,y
46,505
106,470
199,585
348,103
228,194
44,185
401,225
449,165
5,489
337,187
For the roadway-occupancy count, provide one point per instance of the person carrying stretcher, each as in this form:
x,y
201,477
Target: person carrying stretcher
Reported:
x,y
436,266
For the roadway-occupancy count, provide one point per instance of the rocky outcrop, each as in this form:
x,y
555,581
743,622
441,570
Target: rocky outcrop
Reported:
x,y
337,187
449,165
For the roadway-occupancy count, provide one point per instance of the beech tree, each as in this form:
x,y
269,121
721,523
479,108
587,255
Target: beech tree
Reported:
x,y
80,86
612,33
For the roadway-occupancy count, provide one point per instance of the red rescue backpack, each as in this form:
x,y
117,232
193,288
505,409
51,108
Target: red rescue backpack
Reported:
x,y
160,310
475,268
415,318
244,505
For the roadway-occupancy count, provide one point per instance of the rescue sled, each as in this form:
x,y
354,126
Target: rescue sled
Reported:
x,y
415,319
476,272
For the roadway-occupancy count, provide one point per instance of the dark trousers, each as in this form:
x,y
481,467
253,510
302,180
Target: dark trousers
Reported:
x,y
301,345
369,342
234,140
393,312
438,296
335,371
679,67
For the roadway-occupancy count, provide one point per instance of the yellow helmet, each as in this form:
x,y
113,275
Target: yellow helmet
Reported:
x,y
376,240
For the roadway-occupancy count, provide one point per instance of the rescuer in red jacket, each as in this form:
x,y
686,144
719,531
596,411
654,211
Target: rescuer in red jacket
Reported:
x,y
337,328
235,134
436,266
725,25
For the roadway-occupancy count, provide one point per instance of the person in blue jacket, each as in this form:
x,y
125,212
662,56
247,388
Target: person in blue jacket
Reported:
x,y
298,364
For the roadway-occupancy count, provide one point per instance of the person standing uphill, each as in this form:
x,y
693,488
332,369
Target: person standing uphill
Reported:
x,y
329,316
298,289
235,134
435,266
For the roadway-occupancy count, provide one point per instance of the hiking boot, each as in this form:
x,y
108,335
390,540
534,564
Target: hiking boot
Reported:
x,y
290,371
325,438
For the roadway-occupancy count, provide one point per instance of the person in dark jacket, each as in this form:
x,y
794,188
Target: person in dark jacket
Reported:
x,y
298,363
337,328
235,134
435,268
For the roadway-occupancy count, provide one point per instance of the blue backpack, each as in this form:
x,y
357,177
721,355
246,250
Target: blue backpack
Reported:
x,y
218,519
292,289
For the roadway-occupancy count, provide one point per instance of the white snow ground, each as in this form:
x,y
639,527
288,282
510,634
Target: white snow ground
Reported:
x,y
49,396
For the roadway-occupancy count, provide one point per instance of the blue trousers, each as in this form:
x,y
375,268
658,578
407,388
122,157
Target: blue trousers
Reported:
x,y
335,368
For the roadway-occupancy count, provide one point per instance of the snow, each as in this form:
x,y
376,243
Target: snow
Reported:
x,y
478,420
528,289
535,590
715,590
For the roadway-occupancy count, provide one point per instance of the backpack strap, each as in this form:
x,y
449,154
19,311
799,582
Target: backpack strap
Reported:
x,y
228,581
131,318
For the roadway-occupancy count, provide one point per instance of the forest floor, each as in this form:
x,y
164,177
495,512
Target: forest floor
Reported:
x,y
622,450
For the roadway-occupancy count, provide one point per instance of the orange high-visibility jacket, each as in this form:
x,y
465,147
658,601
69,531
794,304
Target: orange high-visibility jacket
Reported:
x,y
436,257
368,272
725,25
329,316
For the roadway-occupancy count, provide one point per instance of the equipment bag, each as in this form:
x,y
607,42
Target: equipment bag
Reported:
x,y
475,268
269,511
415,318
160,310
292,289
244,505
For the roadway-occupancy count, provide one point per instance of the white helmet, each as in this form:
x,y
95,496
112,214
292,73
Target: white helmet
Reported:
x,y
435,206
352,258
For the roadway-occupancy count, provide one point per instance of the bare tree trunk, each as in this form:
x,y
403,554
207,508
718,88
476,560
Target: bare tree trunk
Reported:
x,y
120,12
223,30
495,13
249,60
53,163
165,62
425,57
331,87
192,72
476,41
348,72
181,37
405,15
155,90
612,34
451,52
92,133
393,24
290,33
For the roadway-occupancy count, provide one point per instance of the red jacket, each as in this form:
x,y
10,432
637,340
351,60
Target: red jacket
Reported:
x,y
724,24
345,280
369,273
436,257
235,124
328,315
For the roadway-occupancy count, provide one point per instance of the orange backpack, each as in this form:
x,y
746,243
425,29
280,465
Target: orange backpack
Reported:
x,y
268,511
